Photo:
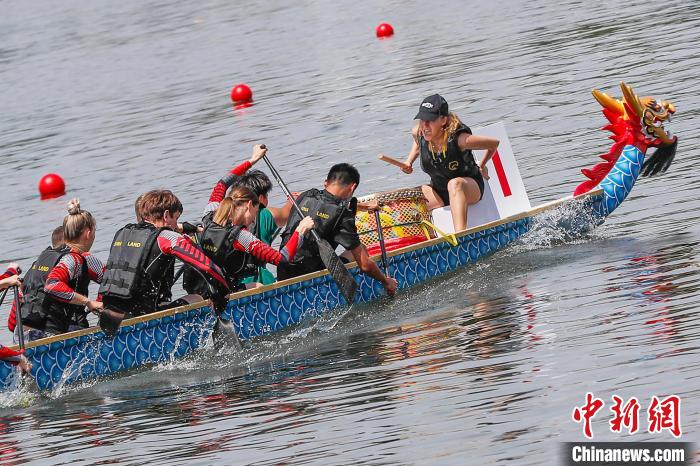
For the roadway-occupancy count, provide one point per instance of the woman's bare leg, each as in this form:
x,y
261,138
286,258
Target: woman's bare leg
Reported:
x,y
432,196
463,192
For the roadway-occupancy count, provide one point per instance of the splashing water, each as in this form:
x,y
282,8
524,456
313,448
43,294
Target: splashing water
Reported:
x,y
570,223
22,393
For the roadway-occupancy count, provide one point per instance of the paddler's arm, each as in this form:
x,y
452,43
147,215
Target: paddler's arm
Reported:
x,y
219,191
175,244
368,266
16,358
12,280
187,228
413,153
370,206
12,269
407,165
247,242
281,214
67,268
474,142
346,235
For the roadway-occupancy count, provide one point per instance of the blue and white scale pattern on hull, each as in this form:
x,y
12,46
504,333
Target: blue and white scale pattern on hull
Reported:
x,y
619,181
90,356
276,309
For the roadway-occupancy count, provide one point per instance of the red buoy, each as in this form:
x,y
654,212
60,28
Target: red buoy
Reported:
x,y
51,185
385,30
241,94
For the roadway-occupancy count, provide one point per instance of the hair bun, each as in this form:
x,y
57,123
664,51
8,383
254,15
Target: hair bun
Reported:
x,y
74,206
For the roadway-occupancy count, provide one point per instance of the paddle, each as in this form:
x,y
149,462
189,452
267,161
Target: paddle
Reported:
x,y
110,321
18,315
179,273
224,332
2,298
382,246
346,283
393,161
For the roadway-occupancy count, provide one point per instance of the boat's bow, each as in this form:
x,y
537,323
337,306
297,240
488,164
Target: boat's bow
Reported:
x,y
636,124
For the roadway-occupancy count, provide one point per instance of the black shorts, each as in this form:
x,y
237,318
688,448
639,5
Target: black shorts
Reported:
x,y
440,187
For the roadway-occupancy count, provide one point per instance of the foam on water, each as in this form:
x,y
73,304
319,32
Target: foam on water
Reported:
x,y
21,394
569,223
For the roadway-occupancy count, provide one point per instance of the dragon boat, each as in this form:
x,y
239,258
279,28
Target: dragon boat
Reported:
x,y
636,125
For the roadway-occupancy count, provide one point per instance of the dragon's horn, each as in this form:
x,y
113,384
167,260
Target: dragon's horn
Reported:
x,y
670,106
632,99
608,102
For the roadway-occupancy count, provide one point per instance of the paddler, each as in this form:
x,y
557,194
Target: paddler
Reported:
x,y
140,273
8,279
33,295
229,244
66,288
444,145
226,239
269,220
333,211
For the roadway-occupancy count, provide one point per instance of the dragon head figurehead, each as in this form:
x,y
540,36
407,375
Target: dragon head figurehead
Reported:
x,y
644,114
637,121
654,115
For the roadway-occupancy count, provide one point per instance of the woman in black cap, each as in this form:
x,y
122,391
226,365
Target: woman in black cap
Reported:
x,y
445,146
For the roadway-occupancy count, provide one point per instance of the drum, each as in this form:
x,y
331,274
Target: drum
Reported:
x,y
402,214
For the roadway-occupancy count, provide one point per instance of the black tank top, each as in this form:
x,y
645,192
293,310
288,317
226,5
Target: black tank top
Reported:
x,y
453,163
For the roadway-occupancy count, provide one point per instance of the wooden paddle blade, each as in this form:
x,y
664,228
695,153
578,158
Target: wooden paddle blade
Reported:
x,y
346,283
110,321
393,161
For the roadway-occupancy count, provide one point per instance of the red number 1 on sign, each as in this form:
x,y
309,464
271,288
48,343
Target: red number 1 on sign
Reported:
x,y
501,174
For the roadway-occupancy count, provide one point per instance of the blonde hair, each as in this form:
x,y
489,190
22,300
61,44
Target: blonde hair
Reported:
x,y
76,221
238,196
453,122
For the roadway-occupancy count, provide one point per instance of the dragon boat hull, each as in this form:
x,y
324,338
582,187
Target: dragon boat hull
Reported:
x,y
171,334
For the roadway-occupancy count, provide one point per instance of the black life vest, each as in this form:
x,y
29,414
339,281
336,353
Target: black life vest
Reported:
x,y
217,243
138,276
34,306
59,315
326,211
453,163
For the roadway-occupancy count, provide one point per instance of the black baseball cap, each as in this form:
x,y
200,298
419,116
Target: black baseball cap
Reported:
x,y
432,108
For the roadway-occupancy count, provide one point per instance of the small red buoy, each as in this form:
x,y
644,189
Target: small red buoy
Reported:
x,y
385,30
51,185
241,94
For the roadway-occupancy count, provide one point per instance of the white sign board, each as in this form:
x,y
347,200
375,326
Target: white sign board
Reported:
x,y
504,192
